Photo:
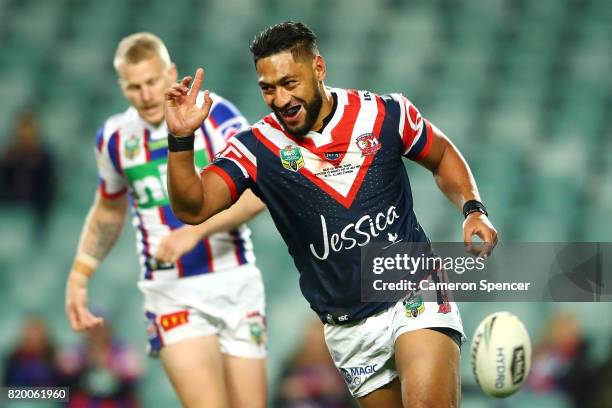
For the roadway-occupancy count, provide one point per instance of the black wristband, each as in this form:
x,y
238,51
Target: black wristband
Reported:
x,y
471,206
180,144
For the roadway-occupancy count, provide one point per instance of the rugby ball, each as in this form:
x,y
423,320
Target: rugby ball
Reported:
x,y
501,354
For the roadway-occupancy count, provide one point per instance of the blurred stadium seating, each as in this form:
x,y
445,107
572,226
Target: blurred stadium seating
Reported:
x,y
522,87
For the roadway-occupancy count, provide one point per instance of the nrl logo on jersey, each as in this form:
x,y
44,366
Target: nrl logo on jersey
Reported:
x,y
131,148
368,144
291,158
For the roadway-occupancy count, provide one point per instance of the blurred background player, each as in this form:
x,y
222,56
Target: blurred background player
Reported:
x,y
102,371
28,173
388,355
204,298
309,378
33,361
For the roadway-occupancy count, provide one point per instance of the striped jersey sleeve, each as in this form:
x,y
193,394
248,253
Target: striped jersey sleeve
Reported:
x,y
223,122
414,130
236,164
111,180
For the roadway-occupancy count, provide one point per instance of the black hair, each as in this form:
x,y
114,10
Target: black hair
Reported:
x,y
290,36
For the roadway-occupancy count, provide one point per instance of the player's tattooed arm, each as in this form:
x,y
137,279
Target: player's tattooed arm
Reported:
x,y
100,232
102,236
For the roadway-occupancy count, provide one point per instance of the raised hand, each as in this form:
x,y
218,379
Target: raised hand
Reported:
x,y
183,116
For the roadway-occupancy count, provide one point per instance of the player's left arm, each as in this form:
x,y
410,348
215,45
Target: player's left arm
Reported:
x,y
454,177
182,240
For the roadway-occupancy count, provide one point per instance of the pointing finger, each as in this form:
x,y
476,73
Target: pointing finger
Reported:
x,y
197,84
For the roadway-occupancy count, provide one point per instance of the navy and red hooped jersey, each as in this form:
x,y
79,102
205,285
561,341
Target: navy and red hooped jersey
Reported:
x,y
332,192
132,157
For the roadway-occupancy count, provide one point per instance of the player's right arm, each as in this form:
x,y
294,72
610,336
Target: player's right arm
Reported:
x,y
427,145
194,198
100,232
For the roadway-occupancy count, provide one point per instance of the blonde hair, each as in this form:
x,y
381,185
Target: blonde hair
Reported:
x,y
139,47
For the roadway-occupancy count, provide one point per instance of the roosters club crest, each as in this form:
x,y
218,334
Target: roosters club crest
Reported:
x,y
368,144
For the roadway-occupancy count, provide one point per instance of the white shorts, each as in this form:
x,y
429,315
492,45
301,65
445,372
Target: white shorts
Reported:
x,y
228,304
364,351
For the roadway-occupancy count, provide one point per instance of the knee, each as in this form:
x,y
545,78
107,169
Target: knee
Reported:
x,y
433,389
431,398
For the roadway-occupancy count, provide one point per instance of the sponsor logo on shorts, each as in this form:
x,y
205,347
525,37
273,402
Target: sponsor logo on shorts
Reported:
x,y
257,327
354,376
414,306
444,308
173,320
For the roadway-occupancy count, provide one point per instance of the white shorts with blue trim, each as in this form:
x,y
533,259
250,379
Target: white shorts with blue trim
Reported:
x,y
364,352
228,304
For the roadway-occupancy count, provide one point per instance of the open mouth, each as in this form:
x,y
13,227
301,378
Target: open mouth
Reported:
x,y
291,113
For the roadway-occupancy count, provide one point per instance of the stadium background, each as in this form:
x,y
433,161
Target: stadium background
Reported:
x,y
522,87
